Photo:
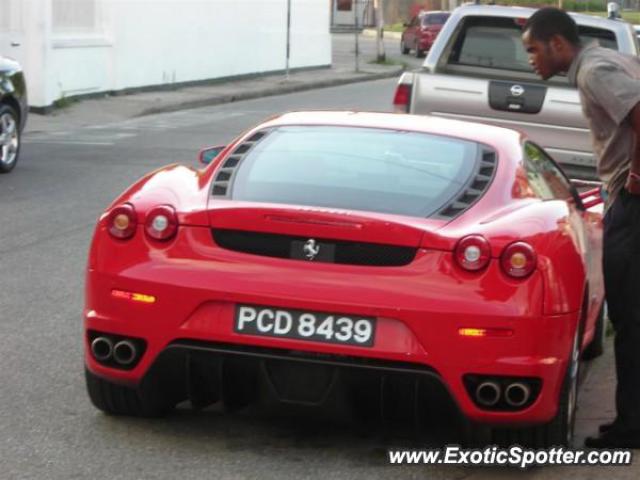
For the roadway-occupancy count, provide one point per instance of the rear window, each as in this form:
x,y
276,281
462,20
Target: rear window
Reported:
x,y
368,169
496,43
435,19
604,38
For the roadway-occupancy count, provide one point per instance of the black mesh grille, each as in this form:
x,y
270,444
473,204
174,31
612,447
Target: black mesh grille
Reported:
x,y
286,246
224,177
478,186
231,162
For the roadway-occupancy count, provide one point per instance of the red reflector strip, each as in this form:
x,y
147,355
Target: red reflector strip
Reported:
x,y
134,297
485,332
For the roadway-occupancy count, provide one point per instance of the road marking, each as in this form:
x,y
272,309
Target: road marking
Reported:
x,y
68,142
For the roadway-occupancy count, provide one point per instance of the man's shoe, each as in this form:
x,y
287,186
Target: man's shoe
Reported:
x,y
605,427
615,439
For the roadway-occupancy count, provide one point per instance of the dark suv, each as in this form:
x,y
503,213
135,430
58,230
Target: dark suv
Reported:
x,y
13,112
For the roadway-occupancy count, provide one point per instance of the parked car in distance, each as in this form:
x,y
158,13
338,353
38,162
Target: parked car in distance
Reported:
x,y
13,112
422,31
387,259
478,70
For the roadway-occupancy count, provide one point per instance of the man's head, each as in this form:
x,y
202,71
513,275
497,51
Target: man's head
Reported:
x,y
551,39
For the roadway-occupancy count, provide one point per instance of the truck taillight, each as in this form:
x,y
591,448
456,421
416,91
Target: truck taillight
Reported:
x,y
402,98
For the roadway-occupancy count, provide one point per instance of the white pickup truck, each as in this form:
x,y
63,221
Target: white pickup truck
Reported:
x,y
478,70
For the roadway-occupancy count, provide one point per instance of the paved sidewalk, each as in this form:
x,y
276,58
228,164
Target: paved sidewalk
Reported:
x,y
109,109
596,403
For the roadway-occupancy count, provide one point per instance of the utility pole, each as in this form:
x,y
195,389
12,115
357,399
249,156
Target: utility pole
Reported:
x,y
288,36
378,6
357,34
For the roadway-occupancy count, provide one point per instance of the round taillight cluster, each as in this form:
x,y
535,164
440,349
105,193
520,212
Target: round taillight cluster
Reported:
x,y
122,221
518,260
162,223
473,253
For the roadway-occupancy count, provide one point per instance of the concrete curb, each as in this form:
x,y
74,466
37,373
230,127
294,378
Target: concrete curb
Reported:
x,y
371,32
269,91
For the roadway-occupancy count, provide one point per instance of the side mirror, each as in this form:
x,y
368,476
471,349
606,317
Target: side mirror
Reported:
x,y
590,193
207,155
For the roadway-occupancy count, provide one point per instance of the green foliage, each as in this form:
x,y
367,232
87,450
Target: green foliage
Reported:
x,y
631,17
570,5
396,27
63,102
589,7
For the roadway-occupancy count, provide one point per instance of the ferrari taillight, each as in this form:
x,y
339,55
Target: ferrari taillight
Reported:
x,y
473,253
518,260
122,221
402,98
162,223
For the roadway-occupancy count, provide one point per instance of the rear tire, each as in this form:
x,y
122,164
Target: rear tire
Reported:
x,y
596,347
115,399
403,48
10,139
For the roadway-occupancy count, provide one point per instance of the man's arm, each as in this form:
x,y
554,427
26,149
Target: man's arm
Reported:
x,y
633,180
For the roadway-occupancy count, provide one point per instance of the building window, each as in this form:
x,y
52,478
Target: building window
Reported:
x,y
344,5
74,16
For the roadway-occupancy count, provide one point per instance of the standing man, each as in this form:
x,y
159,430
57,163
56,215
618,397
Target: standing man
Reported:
x,y
609,86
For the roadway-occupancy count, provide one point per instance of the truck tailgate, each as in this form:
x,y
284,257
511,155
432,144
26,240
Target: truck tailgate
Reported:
x,y
550,115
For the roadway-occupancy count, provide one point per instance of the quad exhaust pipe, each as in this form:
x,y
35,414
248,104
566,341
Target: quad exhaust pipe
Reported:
x,y
503,394
102,349
123,353
488,394
517,394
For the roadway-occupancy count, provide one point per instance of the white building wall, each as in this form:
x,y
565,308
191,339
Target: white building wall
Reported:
x,y
364,9
141,43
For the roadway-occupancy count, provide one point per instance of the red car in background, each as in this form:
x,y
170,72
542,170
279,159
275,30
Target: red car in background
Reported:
x,y
422,31
385,256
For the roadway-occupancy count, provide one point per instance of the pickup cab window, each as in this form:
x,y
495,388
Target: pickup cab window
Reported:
x,y
495,42
434,19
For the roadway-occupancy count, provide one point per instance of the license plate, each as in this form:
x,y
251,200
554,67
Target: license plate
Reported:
x,y
304,325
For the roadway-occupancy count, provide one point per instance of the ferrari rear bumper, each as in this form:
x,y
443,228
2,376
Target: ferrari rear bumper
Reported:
x,y
165,300
412,341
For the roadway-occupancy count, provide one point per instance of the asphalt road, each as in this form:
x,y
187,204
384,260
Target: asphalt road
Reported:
x,y
48,428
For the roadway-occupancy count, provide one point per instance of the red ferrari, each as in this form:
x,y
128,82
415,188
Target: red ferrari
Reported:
x,y
380,254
